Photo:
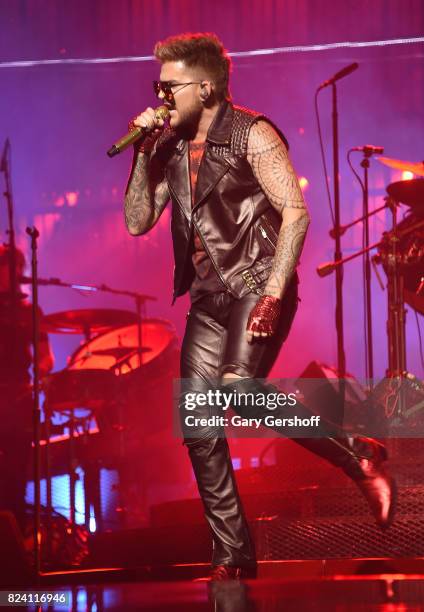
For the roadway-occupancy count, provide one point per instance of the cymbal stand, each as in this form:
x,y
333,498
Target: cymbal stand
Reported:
x,y
396,319
33,233
73,461
48,472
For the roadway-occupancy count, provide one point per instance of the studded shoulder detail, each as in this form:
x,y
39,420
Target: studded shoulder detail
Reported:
x,y
243,119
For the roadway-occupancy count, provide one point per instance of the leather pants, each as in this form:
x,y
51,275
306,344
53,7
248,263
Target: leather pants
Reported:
x,y
214,344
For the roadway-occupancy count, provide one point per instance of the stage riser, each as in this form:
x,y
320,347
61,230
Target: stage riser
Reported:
x,y
275,539
300,508
306,504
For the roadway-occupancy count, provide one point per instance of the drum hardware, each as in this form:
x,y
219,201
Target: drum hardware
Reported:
x,y
104,351
119,352
61,545
96,378
409,256
74,425
410,193
87,322
401,251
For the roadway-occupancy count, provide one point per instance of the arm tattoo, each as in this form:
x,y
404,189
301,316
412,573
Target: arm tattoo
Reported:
x,y
146,195
287,253
272,167
274,172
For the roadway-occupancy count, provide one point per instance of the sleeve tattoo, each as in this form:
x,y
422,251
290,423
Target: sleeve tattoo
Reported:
x,y
146,195
272,168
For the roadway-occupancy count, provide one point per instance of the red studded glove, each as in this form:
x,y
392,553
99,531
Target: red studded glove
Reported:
x,y
264,315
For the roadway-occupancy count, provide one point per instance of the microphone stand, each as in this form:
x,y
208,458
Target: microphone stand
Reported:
x,y
392,237
341,358
343,228
33,233
365,163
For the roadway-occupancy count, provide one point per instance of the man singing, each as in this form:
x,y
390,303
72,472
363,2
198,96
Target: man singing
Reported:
x,y
239,222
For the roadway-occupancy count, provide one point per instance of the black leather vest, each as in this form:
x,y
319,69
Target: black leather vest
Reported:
x,y
236,223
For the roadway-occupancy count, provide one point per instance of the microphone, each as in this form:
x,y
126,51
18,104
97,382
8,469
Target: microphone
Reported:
x,y
369,150
326,268
161,112
339,75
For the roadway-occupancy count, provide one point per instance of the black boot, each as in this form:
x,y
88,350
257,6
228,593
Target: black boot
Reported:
x,y
362,460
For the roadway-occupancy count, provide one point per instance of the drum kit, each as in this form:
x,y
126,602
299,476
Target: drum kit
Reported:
x,y
401,252
120,357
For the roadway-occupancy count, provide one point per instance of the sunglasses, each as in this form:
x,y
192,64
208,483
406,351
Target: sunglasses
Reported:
x,y
166,88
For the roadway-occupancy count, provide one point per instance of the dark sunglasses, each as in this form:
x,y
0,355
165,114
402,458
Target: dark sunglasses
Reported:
x,y
166,88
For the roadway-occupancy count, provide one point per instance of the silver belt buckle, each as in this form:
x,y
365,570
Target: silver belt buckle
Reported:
x,y
250,282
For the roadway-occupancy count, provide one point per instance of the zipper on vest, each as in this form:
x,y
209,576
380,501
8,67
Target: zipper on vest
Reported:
x,y
270,227
265,235
210,257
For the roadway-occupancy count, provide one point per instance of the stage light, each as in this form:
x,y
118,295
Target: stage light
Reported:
x,y
407,176
236,463
92,524
304,183
72,198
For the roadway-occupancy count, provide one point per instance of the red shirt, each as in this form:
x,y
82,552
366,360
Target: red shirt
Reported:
x,y
206,279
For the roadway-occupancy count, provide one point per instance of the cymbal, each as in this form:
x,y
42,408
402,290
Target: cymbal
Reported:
x,y
410,193
86,320
405,166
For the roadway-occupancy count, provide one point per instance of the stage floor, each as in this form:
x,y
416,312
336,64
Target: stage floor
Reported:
x,y
295,585
382,593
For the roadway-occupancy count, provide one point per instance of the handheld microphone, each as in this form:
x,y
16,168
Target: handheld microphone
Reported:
x,y
326,268
339,75
161,112
370,150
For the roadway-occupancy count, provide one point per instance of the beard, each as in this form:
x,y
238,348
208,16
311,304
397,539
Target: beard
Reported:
x,y
188,122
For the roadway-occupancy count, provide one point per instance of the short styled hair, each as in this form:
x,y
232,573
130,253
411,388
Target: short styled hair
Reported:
x,y
203,50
